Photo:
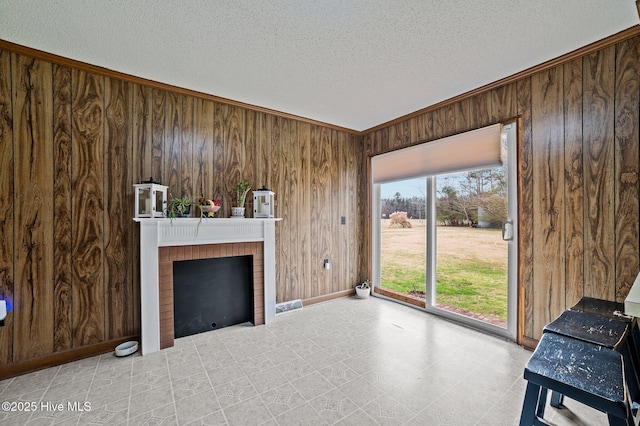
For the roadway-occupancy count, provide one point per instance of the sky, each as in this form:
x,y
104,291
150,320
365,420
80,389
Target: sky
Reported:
x,y
406,188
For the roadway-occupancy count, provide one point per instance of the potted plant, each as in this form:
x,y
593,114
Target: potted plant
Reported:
x,y
242,188
208,208
178,207
363,289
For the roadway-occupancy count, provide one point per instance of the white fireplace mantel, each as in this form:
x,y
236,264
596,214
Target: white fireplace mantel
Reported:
x,y
162,232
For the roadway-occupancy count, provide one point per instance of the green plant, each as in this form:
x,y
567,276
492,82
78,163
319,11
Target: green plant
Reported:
x,y
365,284
178,207
242,188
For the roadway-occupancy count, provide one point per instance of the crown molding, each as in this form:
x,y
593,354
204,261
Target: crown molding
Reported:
x,y
83,66
590,48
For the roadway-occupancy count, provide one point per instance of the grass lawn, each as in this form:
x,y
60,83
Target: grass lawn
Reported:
x,y
471,271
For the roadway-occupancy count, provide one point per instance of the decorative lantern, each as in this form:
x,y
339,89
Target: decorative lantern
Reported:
x,y
151,199
263,202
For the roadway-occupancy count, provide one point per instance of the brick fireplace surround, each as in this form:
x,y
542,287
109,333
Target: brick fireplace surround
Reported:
x,y
168,255
163,241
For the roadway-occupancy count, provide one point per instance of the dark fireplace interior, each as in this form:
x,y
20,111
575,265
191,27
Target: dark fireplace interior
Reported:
x,y
212,293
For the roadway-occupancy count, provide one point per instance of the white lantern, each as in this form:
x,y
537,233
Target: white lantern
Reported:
x,y
151,199
263,203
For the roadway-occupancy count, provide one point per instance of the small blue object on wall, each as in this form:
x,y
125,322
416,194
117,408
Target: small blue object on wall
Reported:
x,y
3,311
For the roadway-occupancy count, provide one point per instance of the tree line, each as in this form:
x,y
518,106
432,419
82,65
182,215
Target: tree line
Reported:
x,y
474,198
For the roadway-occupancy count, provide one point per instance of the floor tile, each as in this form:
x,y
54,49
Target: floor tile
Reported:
x,y
164,415
196,406
250,412
312,385
301,415
282,399
144,402
234,392
357,418
333,406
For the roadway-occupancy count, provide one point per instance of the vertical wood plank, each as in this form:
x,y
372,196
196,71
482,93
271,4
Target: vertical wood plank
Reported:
x,y
277,124
118,275
323,208
263,150
281,150
226,195
333,218
450,120
548,202
399,135
304,221
157,138
461,113
627,83
186,151
294,194
384,139
427,125
574,186
316,187
480,110
142,133
598,116
250,166
525,229
416,128
62,339
141,154
503,103
341,241
6,204
87,208
354,200
234,158
440,123
203,149
173,143
32,90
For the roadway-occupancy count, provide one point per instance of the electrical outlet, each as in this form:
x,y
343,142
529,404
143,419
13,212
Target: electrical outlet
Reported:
x,y
343,220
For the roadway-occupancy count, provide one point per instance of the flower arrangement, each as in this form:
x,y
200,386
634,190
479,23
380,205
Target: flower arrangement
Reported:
x,y
208,207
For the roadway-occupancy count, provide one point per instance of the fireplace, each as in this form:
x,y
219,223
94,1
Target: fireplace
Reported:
x,y
171,255
211,293
163,241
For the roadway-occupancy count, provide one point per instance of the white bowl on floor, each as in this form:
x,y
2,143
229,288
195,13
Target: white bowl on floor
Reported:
x,y
126,348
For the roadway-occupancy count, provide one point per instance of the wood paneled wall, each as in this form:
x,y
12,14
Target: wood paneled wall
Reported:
x,y
72,144
578,173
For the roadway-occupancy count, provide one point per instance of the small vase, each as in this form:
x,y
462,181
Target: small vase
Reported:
x,y
362,293
237,211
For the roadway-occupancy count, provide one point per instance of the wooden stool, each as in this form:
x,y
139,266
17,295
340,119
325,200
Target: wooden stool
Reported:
x,y
587,373
612,333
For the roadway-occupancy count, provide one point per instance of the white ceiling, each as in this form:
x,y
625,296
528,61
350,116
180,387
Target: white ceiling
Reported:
x,y
352,63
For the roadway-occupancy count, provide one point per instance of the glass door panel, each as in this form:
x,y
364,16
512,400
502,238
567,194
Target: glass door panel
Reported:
x,y
402,240
471,271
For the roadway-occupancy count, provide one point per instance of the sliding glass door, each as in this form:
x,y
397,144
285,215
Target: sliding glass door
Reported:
x,y
446,242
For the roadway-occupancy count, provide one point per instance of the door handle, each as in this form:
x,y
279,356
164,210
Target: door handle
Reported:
x,y
507,230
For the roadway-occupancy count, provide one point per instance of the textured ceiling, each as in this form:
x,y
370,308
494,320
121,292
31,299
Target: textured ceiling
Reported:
x,y
354,63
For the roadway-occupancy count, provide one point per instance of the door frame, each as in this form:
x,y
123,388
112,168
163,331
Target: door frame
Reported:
x,y
514,314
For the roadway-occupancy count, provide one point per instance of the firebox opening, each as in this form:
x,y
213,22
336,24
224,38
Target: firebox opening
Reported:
x,y
212,293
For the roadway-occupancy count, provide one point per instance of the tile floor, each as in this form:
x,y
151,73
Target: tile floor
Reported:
x,y
342,362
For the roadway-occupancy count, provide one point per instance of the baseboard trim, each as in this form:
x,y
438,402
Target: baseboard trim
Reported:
x,y
330,296
46,361
529,343
415,301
